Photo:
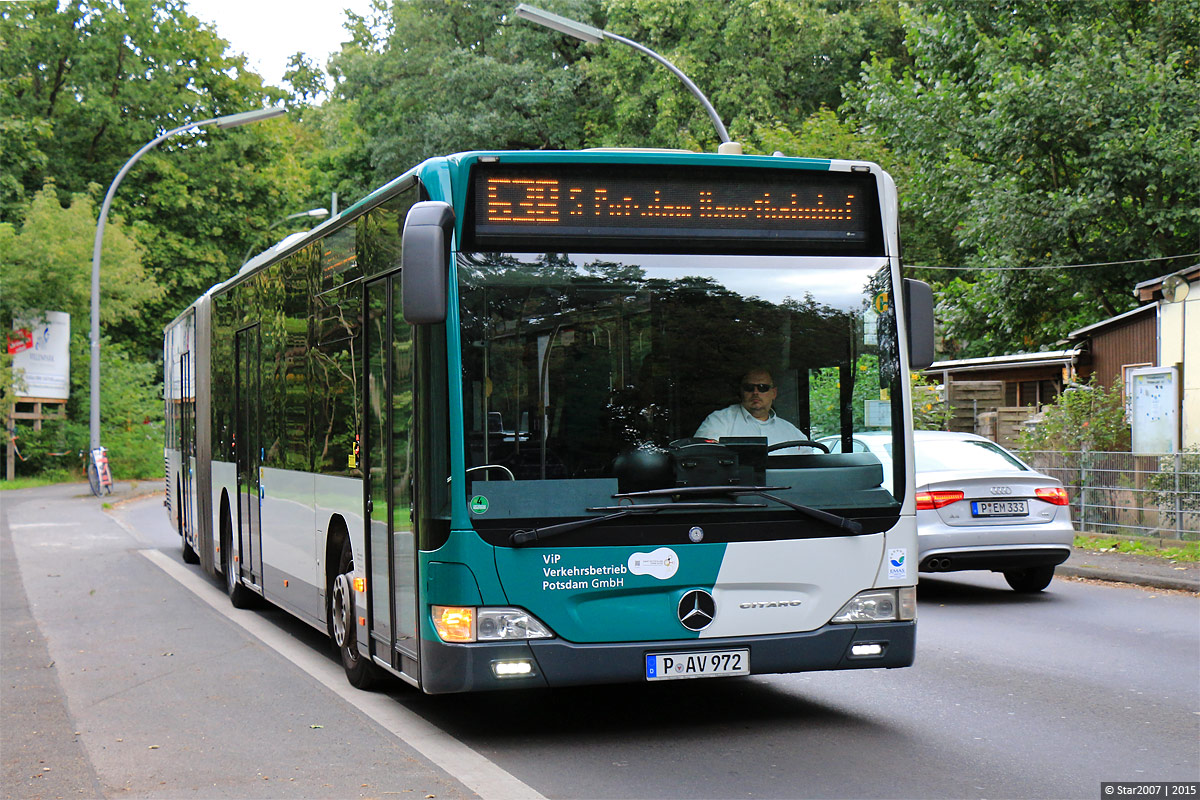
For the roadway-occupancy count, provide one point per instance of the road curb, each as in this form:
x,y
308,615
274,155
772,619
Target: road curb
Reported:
x,y
1100,573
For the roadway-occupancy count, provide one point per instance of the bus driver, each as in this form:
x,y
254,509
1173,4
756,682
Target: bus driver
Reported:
x,y
753,416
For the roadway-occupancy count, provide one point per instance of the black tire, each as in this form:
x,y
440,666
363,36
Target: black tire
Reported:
x,y
239,595
343,626
190,556
1028,581
93,474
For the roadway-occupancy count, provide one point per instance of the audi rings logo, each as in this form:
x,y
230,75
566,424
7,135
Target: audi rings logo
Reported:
x,y
1001,490
697,610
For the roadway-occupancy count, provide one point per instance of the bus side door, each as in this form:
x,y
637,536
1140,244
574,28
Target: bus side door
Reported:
x,y
248,399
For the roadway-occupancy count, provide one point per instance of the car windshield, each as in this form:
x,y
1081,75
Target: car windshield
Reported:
x,y
583,373
961,455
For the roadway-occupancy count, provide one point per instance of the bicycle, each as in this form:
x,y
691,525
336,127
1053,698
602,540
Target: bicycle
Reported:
x,y
99,476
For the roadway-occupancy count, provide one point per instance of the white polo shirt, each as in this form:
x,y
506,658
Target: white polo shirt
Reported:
x,y
737,421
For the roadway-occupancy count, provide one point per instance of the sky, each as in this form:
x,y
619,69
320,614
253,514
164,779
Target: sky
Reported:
x,y
268,32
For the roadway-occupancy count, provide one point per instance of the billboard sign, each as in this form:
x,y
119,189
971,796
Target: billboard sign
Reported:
x,y
40,345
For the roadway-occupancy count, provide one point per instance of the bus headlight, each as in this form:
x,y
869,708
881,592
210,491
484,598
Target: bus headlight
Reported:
x,y
880,605
510,623
470,624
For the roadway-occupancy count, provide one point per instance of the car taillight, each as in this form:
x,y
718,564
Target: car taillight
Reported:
x,y
1053,494
927,501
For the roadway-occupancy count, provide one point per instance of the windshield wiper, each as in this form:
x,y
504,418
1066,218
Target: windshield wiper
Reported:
x,y
519,538
843,523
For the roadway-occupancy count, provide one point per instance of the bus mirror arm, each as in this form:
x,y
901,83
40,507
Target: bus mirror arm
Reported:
x,y
918,297
425,257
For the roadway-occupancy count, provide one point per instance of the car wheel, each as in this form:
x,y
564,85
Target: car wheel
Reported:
x,y
1033,579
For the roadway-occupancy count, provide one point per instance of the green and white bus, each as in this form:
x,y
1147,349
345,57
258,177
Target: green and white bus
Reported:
x,y
454,426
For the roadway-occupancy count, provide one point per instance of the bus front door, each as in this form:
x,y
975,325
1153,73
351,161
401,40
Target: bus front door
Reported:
x,y
249,457
387,447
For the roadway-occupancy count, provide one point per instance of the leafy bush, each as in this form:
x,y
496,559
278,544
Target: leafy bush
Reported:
x,y
1187,492
1088,417
131,415
930,411
57,446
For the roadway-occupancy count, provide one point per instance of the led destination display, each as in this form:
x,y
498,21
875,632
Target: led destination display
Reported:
x,y
835,211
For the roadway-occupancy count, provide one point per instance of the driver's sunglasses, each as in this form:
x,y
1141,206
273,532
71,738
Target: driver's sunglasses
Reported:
x,y
761,388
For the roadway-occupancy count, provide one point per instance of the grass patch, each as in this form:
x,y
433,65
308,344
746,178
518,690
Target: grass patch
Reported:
x,y
1187,552
48,478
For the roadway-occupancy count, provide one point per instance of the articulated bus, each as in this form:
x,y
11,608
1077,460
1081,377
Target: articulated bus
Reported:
x,y
455,426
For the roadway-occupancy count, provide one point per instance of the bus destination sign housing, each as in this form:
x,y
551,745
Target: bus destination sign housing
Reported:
x,y
660,208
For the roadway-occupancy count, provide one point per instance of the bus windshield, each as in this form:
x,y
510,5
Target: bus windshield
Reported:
x,y
588,375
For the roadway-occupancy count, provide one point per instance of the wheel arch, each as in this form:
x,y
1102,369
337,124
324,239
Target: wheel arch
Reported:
x,y
337,532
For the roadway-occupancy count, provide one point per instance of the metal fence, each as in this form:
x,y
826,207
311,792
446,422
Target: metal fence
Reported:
x,y
1127,494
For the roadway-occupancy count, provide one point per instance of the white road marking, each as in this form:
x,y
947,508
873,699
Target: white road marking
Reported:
x,y
477,772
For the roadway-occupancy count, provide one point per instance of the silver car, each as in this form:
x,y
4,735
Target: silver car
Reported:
x,y
980,507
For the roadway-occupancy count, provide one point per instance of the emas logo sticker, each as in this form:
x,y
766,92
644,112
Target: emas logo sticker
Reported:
x,y
661,563
898,564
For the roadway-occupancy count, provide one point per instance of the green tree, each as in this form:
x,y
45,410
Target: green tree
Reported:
x,y
437,77
83,85
1042,133
46,265
762,63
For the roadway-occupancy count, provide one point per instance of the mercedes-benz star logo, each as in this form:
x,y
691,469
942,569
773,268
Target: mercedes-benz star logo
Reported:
x,y
697,609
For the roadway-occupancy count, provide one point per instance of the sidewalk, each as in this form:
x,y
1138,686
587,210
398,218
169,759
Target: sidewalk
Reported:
x,y
1150,571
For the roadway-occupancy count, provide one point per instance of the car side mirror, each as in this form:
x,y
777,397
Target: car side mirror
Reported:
x,y
425,258
918,305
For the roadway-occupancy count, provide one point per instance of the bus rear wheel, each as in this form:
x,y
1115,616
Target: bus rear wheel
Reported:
x,y
361,673
190,556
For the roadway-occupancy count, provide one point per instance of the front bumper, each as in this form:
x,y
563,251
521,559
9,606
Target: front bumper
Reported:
x,y
468,667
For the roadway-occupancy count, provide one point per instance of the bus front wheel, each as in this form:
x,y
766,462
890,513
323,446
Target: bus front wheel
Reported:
x,y
361,673
239,595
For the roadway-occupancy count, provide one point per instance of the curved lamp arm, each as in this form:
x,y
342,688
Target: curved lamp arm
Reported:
x,y
228,121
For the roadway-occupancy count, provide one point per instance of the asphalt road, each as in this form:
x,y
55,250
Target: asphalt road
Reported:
x,y
128,674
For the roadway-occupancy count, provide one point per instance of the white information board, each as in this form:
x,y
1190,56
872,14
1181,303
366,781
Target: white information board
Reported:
x,y
41,347
878,414
1154,406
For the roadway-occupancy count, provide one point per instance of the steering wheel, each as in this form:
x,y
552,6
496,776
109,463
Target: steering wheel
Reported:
x,y
797,443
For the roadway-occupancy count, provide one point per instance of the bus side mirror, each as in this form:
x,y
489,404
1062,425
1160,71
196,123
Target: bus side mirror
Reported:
x,y
918,304
425,258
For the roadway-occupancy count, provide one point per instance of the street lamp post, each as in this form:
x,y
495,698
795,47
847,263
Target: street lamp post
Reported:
x,y
593,35
229,121
317,213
